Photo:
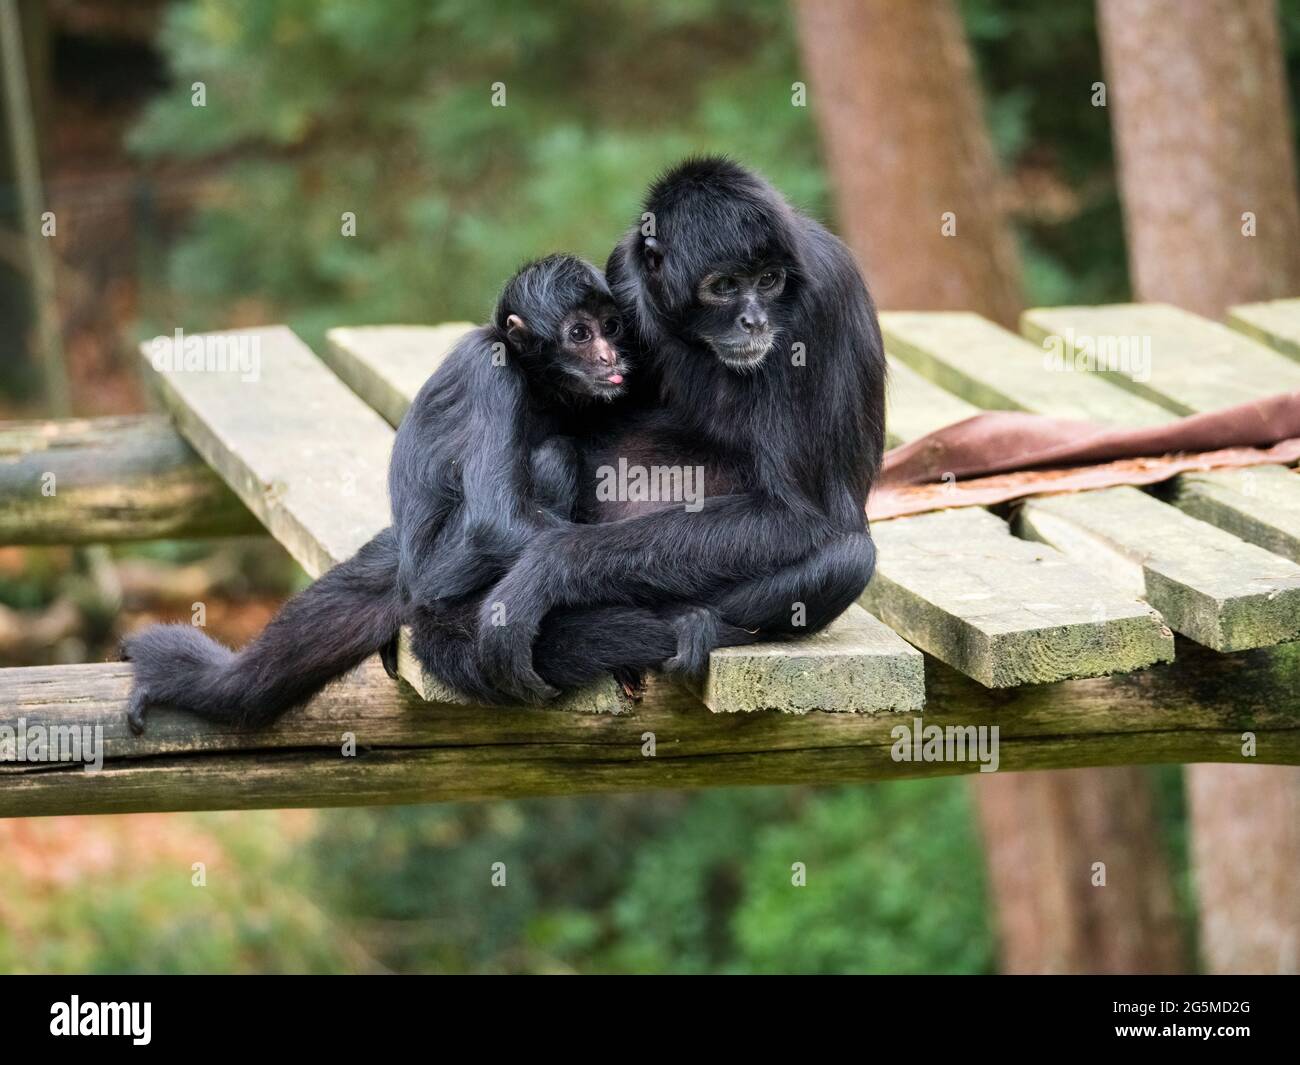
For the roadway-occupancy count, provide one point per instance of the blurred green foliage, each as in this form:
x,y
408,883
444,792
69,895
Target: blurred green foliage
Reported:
x,y
683,884
315,109
386,110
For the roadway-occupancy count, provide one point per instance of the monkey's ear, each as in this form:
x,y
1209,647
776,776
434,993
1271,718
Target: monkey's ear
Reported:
x,y
654,254
516,331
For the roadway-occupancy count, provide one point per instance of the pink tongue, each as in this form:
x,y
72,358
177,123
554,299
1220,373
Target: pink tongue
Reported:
x,y
615,379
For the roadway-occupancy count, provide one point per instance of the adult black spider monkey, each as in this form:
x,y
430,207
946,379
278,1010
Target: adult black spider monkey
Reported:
x,y
479,465
756,326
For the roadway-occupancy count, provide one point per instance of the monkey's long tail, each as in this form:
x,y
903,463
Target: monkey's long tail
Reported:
x,y
320,634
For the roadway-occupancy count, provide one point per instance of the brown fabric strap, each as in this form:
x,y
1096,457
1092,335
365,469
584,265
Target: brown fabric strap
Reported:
x,y
1000,456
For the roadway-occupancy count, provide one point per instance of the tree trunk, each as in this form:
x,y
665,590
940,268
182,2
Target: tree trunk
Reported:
x,y
1080,879
1203,136
894,91
1202,132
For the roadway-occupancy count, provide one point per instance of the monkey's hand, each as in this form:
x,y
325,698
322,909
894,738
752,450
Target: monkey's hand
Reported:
x,y
509,618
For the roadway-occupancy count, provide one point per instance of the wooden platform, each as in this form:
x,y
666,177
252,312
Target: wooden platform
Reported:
x,y
1054,621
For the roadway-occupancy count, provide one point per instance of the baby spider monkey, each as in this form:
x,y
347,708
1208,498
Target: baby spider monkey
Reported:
x,y
482,461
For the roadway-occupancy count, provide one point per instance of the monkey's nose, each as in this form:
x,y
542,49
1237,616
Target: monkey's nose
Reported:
x,y
752,323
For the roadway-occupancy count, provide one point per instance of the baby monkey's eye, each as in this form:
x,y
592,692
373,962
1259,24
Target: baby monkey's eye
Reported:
x,y
579,333
768,278
612,327
723,286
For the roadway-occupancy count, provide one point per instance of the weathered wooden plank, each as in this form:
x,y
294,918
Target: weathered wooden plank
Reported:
x,y
1260,504
856,665
994,369
1003,610
410,355
1209,585
109,480
1190,363
1195,574
855,662
915,407
1200,710
1275,323
306,456
960,586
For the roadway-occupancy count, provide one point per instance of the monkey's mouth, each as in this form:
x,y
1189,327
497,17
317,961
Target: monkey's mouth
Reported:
x,y
743,355
610,385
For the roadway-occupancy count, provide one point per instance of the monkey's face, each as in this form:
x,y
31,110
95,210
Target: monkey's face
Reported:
x,y
736,312
588,362
733,305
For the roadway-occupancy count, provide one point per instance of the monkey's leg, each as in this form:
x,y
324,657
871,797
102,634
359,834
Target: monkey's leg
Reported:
x,y
660,558
795,600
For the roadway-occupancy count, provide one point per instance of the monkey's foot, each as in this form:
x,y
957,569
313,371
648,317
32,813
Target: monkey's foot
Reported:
x,y
632,681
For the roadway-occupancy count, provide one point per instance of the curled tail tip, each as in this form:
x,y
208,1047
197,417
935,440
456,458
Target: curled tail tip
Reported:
x,y
136,706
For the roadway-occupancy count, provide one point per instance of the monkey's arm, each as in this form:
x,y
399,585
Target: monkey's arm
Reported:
x,y
460,483
754,552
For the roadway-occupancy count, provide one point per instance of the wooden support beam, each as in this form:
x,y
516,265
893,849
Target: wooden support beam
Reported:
x,y
109,480
409,751
1209,584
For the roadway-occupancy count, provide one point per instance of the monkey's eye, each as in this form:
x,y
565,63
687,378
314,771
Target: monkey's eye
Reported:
x,y
768,278
612,327
723,286
579,334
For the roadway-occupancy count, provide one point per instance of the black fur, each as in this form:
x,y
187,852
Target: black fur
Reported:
x,y
479,466
781,545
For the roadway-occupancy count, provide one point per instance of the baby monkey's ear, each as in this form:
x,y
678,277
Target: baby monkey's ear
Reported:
x,y
653,253
516,332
